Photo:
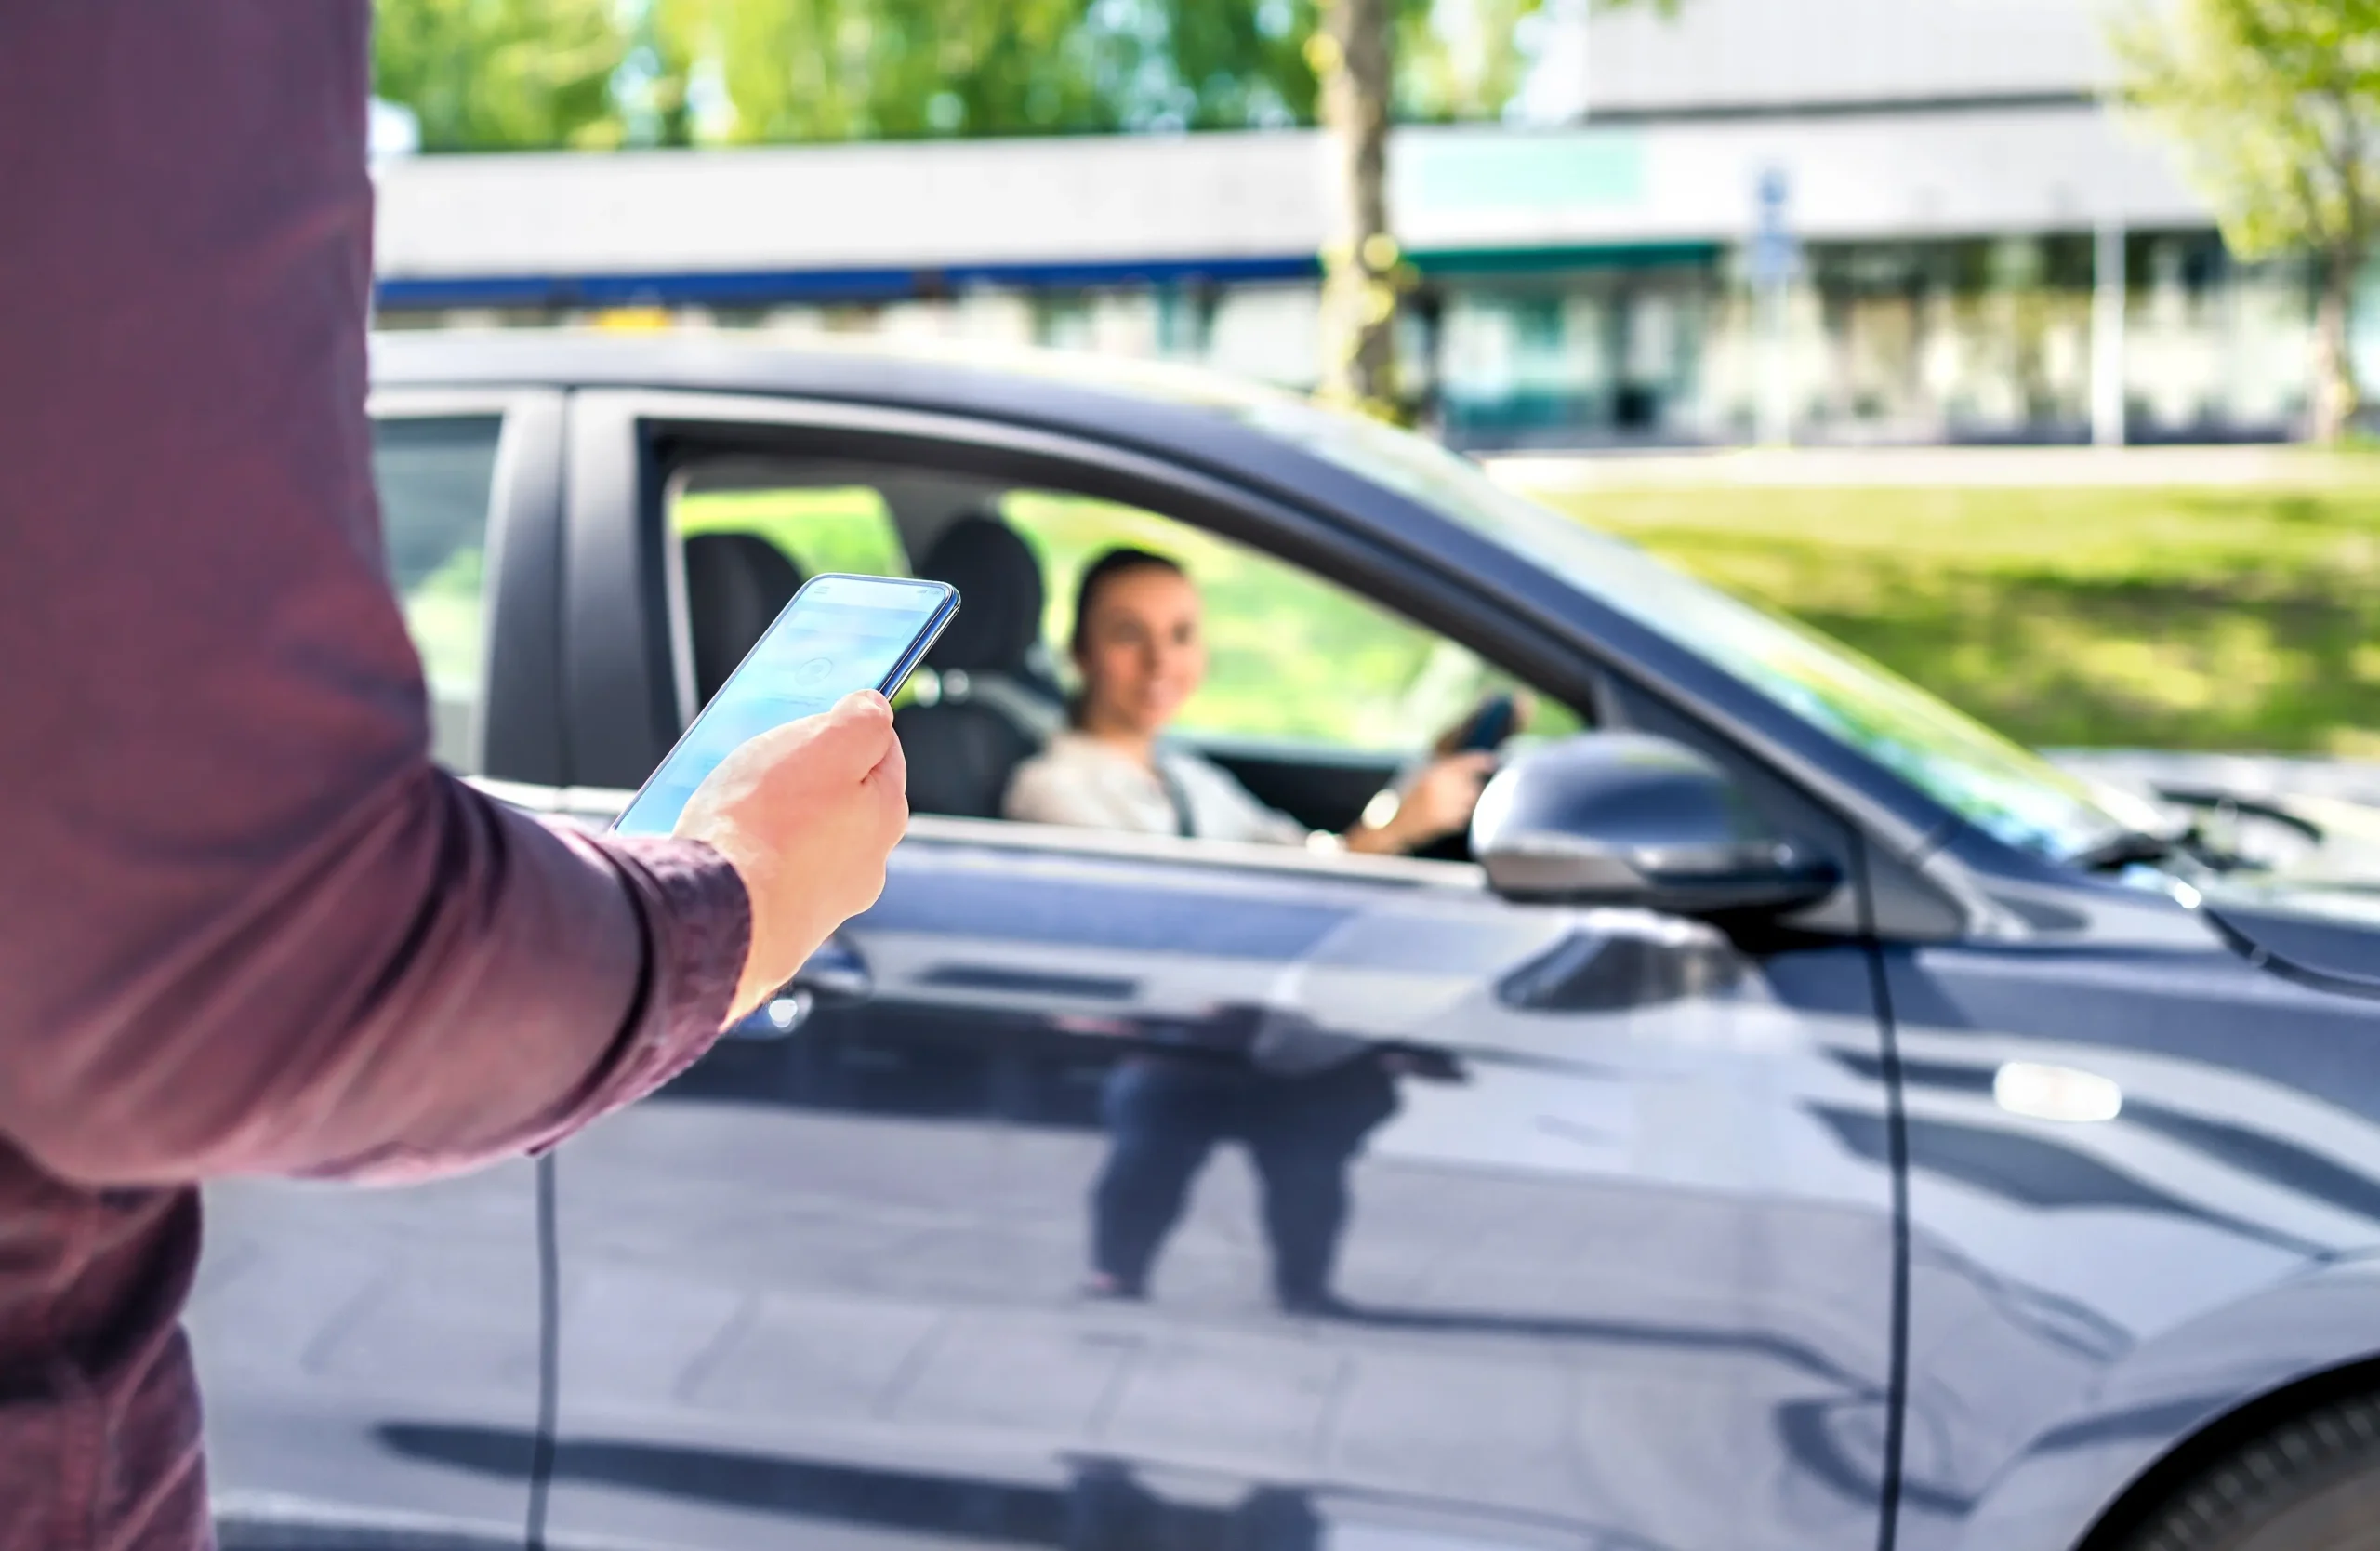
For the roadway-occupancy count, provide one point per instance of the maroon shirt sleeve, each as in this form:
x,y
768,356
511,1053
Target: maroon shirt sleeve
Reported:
x,y
245,923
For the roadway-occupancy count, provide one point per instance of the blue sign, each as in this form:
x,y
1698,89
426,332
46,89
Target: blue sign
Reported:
x,y
1775,257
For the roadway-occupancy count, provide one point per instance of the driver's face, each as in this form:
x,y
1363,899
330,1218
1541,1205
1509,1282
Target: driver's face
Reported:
x,y
1142,652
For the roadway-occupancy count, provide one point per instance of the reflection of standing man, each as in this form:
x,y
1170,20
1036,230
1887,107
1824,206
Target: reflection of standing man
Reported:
x,y
1166,1111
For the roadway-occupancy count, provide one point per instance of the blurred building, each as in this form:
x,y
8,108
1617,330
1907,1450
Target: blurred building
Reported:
x,y
1959,242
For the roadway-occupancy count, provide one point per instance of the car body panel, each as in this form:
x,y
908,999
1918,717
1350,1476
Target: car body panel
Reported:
x,y
2086,1285
1576,1318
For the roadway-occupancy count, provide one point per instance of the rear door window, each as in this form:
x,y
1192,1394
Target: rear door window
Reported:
x,y
436,475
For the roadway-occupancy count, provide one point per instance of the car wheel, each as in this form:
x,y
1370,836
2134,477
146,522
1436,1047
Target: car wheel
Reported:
x,y
2311,1484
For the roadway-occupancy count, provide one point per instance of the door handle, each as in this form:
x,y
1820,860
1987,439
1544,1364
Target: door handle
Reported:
x,y
834,976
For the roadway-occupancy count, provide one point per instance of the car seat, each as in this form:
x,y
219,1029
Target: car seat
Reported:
x,y
996,703
736,585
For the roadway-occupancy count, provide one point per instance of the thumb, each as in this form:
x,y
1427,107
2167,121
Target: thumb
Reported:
x,y
856,732
864,704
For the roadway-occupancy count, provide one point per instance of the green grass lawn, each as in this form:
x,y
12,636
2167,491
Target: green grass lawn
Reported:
x,y
2227,618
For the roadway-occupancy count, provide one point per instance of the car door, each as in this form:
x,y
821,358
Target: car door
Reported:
x,y
1596,1271
337,1329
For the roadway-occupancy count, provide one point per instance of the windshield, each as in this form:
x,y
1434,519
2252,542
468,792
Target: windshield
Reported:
x,y
2005,789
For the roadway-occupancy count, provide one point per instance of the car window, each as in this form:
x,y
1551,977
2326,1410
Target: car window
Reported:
x,y
829,528
435,475
2005,789
1290,656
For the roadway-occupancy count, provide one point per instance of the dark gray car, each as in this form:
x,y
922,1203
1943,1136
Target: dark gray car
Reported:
x,y
1796,1119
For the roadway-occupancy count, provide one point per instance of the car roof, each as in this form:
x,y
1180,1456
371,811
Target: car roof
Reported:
x,y
1081,391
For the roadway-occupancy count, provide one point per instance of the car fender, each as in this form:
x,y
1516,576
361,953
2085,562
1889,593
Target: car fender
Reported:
x,y
2169,1391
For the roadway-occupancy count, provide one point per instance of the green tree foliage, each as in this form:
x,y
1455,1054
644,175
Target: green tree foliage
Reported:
x,y
1379,59
843,70
541,75
501,74
2277,106
835,69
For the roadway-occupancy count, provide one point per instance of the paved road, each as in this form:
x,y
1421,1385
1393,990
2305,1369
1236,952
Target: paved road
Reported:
x,y
2001,468
2248,775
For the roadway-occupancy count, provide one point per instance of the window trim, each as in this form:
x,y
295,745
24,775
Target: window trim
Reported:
x,y
596,807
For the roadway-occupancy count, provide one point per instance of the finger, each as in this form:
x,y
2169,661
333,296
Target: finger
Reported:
x,y
893,769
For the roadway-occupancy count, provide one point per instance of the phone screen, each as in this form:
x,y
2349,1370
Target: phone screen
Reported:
x,y
838,635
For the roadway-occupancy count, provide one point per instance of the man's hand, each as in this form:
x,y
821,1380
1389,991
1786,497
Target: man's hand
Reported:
x,y
807,813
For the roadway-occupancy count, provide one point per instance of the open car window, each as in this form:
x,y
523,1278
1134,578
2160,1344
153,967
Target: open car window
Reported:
x,y
831,527
1315,700
1291,658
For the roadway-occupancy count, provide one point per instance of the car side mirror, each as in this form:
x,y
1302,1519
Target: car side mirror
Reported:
x,y
1625,819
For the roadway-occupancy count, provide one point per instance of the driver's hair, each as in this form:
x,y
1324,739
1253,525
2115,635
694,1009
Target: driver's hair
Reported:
x,y
1120,560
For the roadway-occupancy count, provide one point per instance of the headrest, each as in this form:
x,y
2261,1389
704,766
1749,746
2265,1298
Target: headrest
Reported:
x,y
999,590
736,585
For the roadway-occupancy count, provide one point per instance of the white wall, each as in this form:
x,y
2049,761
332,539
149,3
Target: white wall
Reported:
x,y
1737,53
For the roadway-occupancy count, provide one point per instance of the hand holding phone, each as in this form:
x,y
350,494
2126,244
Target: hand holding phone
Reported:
x,y
793,773
808,814
840,635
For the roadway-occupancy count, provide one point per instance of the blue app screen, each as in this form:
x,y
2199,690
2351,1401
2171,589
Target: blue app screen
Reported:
x,y
840,634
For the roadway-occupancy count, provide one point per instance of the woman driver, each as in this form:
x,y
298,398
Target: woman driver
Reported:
x,y
1138,648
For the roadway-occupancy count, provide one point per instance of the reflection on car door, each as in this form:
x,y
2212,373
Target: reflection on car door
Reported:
x,y
1541,1245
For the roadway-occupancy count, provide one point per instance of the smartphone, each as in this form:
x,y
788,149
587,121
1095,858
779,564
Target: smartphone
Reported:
x,y
840,633
1490,726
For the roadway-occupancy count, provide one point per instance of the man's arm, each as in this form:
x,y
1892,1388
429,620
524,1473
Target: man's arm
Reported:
x,y
243,924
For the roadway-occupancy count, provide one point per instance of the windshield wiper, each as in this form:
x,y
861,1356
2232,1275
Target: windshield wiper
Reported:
x,y
2131,846
2142,845
2238,941
2190,843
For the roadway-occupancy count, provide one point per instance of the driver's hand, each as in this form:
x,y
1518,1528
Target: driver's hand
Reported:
x,y
1437,803
807,813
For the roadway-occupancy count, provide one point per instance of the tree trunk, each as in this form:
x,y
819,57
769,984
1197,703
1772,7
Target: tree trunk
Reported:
x,y
1354,57
2334,392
